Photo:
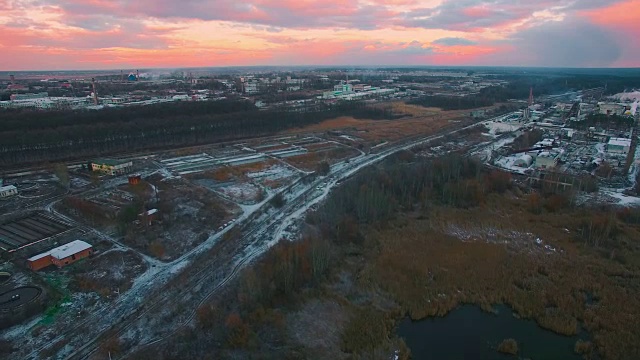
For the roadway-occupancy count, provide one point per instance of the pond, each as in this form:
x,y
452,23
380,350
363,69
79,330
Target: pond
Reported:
x,y
470,333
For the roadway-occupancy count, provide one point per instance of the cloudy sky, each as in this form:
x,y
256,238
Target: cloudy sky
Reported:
x,y
126,34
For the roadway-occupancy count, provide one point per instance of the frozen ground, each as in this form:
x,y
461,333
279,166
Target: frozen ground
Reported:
x,y
272,173
351,138
507,162
517,240
496,128
485,150
635,167
609,196
241,192
621,198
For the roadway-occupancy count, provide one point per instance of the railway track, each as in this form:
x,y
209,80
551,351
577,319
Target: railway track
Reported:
x,y
205,278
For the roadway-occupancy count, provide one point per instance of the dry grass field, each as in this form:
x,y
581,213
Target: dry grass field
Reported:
x,y
309,161
226,173
420,121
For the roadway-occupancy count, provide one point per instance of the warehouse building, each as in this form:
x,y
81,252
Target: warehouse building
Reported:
x,y
619,146
61,256
111,166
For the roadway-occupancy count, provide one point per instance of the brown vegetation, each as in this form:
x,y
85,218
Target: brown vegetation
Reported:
x,y
367,329
508,346
583,347
226,173
310,161
422,121
186,215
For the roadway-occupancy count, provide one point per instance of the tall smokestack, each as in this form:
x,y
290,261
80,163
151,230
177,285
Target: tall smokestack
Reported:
x,y
13,79
121,76
531,96
95,94
137,75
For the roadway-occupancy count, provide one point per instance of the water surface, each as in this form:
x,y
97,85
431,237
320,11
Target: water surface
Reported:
x,y
470,333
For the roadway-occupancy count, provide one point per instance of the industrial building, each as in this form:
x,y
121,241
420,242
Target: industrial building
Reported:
x,y
112,166
619,146
343,88
45,103
30,96
7,191
61,256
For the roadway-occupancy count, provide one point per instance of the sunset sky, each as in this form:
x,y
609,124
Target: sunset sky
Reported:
x,y
126,34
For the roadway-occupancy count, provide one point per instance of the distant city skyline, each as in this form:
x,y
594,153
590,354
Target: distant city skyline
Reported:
x,y
120,34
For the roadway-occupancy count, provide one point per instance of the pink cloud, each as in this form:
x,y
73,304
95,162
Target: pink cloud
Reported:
x,y
477,12
113,33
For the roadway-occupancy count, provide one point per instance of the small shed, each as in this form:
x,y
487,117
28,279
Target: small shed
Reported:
x,y
148,216
9,190
135,179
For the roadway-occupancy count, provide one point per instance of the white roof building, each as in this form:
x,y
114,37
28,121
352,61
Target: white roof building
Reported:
x,y
619,145
64,251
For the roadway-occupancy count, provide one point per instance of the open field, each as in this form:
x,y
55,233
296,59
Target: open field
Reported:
x,y
414,110
375,131
107,274
227,173
418,120
187,215
310,160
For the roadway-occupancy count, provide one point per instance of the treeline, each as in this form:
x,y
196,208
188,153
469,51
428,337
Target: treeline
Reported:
x,y
253,317
453,102
30,136
603,120
516,89
379,194
519,86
